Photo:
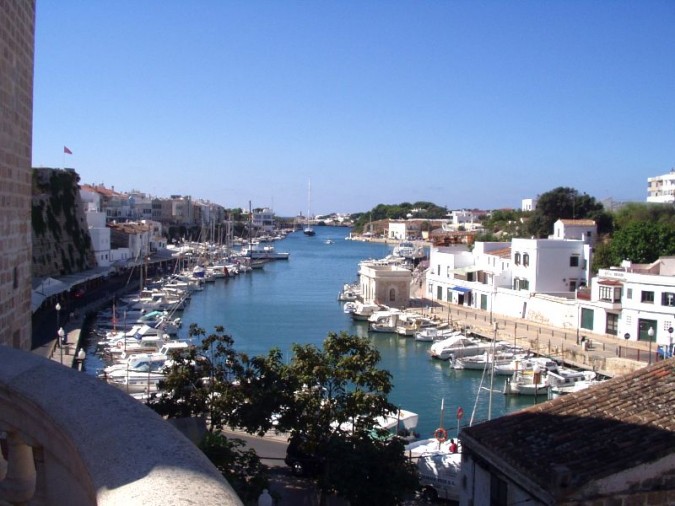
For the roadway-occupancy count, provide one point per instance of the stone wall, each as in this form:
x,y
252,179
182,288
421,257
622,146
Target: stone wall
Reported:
x,y
17,29
61,241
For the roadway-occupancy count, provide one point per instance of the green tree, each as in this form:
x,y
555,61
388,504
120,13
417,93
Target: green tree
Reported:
x,y
642,242
561,203
338,392
210,382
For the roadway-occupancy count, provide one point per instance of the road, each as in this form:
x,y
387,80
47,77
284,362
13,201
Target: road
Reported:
x,y
289,489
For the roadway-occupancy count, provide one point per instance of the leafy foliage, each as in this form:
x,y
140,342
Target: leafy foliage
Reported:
x,y
643,242
564,203
423,210
338,392
330,396
240,466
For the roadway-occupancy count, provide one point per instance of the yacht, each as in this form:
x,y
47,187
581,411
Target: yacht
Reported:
x,y
458,346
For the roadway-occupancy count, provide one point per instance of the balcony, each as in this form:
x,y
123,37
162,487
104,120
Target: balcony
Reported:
x,y
69,438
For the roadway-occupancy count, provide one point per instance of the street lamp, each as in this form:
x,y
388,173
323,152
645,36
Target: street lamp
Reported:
x,y
650,333
58,315
81,355
61,335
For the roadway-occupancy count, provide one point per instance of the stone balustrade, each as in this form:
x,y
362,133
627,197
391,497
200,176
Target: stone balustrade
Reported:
x,y
68,438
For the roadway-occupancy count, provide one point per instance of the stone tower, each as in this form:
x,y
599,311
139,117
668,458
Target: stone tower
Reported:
x,y
17,36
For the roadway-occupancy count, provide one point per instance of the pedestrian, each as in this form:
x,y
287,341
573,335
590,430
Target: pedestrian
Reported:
x,y
453,446
265,499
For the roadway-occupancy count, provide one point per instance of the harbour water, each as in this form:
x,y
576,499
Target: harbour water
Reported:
x,y
295,301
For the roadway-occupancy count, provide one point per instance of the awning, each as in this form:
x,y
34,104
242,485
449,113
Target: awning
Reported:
x,y
465,270
460,289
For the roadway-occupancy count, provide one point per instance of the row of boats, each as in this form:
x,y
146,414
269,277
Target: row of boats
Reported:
x,y
137,336
526,373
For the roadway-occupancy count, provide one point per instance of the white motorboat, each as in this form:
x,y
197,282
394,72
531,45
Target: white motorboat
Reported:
x,y
480,362
564,380
408,250
361,310
410,323
384,321
458,346
258,252
525,362
349,293
430,334
527,382
438,468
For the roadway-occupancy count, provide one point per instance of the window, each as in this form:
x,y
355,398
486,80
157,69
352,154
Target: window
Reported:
x,y
647,297
574,261
629,293
521,284
573,285
610,293
668,299
516,259
392,295
438,269
526,259
612,326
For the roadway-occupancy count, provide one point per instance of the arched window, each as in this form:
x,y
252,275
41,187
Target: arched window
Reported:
x,y
392,295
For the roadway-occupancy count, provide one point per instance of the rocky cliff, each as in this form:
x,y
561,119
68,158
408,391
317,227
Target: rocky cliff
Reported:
x,y
61,241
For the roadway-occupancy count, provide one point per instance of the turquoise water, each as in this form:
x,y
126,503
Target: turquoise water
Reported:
x,y
295,301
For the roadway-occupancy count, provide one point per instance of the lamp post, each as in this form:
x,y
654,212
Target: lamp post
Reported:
x,y
81,355
58,315
650,333
61,334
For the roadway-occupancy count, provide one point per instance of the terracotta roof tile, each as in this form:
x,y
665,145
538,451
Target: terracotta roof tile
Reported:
x,y
616,425
502,253
578,223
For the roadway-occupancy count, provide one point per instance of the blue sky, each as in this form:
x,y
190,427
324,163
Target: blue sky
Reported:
x,y
474,104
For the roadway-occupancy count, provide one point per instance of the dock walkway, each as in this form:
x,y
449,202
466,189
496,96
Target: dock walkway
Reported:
x,y
607,355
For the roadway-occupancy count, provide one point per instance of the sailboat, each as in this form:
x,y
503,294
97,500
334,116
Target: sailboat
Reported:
x,y
308,230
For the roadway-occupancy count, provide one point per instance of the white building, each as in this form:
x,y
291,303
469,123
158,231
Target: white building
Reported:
x,y
461,218
519,279
630,301
98,232
403,230
385,284
263,219
661,189
528,205
581,230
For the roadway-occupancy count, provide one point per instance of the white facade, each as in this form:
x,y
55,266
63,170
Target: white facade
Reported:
x,y
647,301
263,219
661,189
528,205
528,278
402,230
581,230
385,284
98,232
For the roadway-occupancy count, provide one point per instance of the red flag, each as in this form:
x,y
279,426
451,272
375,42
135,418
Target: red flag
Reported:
x,y
67,151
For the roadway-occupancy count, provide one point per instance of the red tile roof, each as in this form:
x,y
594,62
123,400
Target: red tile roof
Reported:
x,y
502,253
578,223
616,425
